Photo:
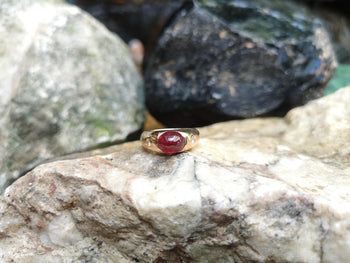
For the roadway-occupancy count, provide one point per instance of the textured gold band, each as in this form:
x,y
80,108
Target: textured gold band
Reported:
x,y
150,139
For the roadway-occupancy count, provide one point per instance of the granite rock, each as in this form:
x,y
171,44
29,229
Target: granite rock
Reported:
x,y
233,59
257,190
67,85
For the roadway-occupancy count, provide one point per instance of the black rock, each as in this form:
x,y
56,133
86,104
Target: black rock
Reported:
x,y
225,60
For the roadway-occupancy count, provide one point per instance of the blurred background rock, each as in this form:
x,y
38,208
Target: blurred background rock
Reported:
x,y
296,31
67,85
336,18
134,19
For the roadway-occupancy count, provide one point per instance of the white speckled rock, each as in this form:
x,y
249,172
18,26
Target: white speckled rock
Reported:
x,y
67,84
253,191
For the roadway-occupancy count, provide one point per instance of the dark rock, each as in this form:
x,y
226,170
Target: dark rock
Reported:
x,y
236,59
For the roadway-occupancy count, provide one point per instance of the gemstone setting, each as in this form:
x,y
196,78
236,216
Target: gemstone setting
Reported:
x,y
171,142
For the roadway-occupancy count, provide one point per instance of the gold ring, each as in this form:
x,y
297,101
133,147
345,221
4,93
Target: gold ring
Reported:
x,y
170,141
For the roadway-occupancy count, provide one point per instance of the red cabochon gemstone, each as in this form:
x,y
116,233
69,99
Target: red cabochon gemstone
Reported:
x,y
171,142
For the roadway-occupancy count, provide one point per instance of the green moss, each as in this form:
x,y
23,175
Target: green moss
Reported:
x,y
341,78
103,127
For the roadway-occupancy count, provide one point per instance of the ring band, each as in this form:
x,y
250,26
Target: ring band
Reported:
x,y
170,141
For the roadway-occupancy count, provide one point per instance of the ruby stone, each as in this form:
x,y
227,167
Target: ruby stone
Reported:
x,y
171,142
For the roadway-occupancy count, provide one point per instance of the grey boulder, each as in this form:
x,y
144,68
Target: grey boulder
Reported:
x,y
67,84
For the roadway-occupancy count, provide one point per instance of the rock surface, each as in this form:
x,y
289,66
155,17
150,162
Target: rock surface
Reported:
x,y
67,85
259,190
235,59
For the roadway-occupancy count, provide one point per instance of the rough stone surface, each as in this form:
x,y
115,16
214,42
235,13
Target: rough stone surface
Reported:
x,y
66,85
259,190
234,59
